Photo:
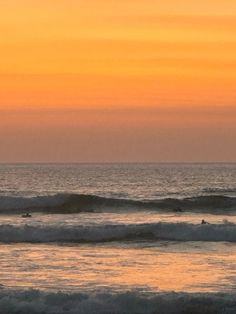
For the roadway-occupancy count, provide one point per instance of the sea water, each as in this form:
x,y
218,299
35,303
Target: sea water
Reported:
x,y
118,238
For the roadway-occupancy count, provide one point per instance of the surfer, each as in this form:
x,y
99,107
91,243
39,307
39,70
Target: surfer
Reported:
x,y
204,222
27,215
178,210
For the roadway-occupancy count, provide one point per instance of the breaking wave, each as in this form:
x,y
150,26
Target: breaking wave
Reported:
x,y
109,233
38,302
74,203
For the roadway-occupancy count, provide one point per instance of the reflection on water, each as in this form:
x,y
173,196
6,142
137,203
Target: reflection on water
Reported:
x,y
149,266
130,217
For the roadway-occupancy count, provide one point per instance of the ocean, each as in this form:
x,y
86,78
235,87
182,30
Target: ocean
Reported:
x,y
118,238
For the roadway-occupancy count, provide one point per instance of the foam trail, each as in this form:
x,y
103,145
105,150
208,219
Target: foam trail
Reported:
x,y
34,301
108,233
75,203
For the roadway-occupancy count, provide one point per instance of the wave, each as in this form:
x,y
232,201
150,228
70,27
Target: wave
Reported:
x,y
109,233
219,190
75,203
35,301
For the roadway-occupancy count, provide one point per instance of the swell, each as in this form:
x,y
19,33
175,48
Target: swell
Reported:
x,y
219,190
75,203
109,233
34,301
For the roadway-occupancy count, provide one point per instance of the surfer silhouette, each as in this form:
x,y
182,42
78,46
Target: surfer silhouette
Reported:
x,y
27,215
178,210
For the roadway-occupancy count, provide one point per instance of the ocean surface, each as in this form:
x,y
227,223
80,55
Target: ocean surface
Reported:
x,y
118,238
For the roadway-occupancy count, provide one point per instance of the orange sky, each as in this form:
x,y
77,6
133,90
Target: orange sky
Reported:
x,y
128,80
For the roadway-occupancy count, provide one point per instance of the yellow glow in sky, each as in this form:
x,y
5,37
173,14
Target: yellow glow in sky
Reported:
x,y
87,57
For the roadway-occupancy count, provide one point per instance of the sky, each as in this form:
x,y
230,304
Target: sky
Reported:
x,y
117,81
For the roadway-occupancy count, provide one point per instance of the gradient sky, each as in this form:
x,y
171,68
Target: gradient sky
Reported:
x,y
108,80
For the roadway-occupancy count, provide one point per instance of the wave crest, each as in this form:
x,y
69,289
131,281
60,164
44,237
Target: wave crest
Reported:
x,y
108,233
34,301
74,203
